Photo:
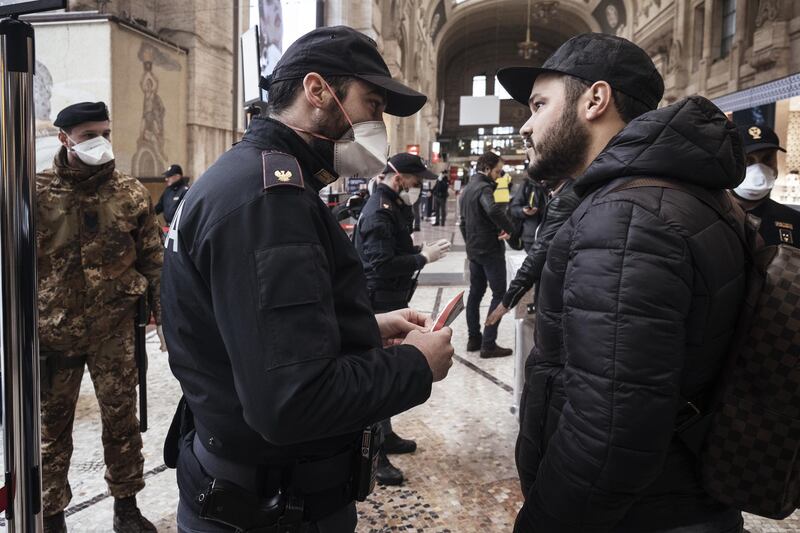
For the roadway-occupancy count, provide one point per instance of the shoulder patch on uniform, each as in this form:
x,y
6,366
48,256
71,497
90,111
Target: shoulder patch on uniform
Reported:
x,y
281,169
385,203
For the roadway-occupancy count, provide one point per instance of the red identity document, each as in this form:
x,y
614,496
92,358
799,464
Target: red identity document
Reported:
x,y
450,312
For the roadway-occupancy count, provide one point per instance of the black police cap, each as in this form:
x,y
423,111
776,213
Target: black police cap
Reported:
x,y
406,163
759,137
343,51
80,113
173,170
593,57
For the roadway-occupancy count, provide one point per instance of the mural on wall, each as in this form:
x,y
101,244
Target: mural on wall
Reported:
x,y
612,16
149,159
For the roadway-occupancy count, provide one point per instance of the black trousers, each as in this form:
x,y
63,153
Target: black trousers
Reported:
x,y
441,211
485,270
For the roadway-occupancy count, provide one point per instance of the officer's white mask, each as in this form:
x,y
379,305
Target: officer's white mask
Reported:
x,y
94,152
363,149
758,181
409,195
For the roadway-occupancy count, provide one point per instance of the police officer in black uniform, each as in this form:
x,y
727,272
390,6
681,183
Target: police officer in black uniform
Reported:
x,y
780,224
173,194
271,333
390,259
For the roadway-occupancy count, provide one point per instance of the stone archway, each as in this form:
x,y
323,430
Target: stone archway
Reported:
x,y
478,38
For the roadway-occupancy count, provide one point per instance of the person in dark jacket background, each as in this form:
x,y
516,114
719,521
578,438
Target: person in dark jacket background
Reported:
x,y
390,259
780,224
484,226
638,299
177,185
441,190
557,211
527,205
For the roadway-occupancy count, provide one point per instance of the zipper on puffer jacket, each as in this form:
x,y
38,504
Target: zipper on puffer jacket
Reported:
x,y
548,388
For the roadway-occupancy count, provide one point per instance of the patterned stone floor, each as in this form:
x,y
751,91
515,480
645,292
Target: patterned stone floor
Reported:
x,y
462,478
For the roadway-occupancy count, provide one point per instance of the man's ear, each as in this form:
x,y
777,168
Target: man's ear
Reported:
x,y
316,90
62,138
597,101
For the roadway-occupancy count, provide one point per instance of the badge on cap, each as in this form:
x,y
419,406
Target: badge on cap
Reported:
x,y
755,133
281,169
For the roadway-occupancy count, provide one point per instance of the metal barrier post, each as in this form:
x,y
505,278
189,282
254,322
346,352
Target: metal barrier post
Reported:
x,y
20,345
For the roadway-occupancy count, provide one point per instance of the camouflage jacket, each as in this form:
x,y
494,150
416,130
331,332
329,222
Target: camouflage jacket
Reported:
x,y
99,248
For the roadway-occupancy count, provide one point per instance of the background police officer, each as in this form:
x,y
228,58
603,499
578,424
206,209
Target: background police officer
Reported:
x,y
390,259
99,249
780,224
173,194
270,329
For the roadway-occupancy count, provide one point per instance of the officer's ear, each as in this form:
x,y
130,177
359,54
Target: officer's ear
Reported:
x,y
316,91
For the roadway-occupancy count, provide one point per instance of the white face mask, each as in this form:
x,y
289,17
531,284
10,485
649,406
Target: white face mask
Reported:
x,y
94,152
758,181
362,151
411,196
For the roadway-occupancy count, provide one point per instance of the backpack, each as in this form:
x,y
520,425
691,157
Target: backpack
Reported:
x,y
747,436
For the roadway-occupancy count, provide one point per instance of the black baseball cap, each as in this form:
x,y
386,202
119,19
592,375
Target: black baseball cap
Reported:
x,y
343,51
759,137
406,163
79,113
173,170
593,57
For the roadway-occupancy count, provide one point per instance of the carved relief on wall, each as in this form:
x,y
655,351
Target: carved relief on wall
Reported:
x,y
650,9
149,159
767,11
675,57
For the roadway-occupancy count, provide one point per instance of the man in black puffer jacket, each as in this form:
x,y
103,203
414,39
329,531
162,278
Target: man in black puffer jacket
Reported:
x,y
638,299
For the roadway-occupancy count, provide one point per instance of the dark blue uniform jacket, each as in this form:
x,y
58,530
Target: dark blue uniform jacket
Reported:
x,y
384,242
269,325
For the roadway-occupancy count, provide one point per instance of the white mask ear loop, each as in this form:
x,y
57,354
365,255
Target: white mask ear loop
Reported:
x,y
339,103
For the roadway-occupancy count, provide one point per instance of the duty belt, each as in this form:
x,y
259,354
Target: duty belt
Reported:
x,y
305,478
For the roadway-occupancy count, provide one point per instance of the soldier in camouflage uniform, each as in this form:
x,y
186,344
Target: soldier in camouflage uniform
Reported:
x,y
99,250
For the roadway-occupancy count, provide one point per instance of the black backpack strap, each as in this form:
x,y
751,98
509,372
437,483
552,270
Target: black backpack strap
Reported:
x,y
745,228
694,418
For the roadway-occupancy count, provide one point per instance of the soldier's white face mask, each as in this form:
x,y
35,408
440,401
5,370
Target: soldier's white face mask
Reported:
x,y
758,181
94,152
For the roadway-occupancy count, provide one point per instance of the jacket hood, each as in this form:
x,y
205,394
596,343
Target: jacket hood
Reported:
x,y
690,141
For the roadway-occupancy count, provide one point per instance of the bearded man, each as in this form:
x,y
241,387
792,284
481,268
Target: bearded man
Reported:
x,y
638,298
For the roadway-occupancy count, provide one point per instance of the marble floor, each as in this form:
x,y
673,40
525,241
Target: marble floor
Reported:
x,y
462,478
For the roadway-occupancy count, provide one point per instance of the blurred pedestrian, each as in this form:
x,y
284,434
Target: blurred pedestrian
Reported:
x,y
484,226
177,185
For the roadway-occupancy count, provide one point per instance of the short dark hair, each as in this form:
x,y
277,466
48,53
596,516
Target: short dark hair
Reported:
x,y
282,93
627,107
488,161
